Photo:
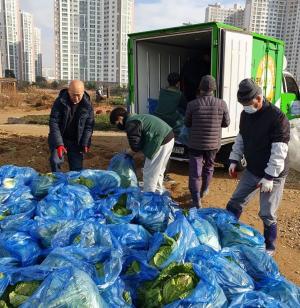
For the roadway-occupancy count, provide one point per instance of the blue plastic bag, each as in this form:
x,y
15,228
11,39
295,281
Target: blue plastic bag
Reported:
x,y
21,175
120,207
28,273
102,264
136,270
19,245
173,245
123,165
61,257
6,264
16,216
207,233
221,215
282,290
231,278
154,211
258,264
99,247
184,135
234,233
66,287
206,293
117,295
4,194
17,196
255,299
99,182
131,236
41,184
45,229
20,223
65,202
70,232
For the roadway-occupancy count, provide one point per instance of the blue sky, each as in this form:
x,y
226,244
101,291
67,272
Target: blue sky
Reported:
x,y
149,14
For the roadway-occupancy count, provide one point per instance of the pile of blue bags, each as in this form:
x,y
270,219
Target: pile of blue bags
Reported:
x,y
94,239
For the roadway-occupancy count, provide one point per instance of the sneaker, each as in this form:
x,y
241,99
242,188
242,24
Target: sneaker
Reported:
x,y
270,252
204,193
196,204
168,179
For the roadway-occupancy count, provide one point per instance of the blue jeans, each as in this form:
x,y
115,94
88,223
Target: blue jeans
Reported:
x,y
75,157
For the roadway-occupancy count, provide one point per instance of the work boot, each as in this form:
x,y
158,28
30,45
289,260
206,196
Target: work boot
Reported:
x,y
236,212
270,234
196,201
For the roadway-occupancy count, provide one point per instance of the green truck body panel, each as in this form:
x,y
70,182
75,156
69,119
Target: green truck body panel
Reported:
x,y
267,58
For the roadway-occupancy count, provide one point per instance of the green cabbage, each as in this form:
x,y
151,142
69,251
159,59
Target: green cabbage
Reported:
x,y
176,281
4,214
244,229
127,297
120,207
100,269
165,250
3,304
16,295
134,268
9,183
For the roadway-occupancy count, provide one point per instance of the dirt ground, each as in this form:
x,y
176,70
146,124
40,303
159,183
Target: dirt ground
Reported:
x,y
26,145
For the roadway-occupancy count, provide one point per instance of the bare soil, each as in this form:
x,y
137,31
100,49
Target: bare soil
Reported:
x,y
26,145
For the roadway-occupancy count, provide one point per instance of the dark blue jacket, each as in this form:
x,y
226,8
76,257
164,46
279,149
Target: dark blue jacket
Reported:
x,y
59,117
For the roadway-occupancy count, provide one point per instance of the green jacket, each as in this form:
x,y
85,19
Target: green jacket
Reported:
x,y
146,133
169,102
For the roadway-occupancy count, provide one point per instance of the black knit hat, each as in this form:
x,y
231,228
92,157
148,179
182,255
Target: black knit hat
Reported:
x,y
247,91
208,83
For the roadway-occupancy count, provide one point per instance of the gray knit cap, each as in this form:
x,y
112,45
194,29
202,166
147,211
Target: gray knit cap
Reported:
x,y
248,90
208,84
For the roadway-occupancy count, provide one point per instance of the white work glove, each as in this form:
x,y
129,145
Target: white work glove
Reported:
x,y
232,170
265,185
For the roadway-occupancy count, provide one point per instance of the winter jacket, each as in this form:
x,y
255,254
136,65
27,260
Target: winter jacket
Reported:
x,y
60,118
206,116
169,102
146,133
263,140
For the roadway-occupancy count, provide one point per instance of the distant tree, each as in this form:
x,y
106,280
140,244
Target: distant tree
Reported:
x,y
54,84
9,74
90,85
23,85
119,90
41,82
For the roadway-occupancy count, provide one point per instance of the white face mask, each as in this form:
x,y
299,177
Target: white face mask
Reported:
x,y
250,109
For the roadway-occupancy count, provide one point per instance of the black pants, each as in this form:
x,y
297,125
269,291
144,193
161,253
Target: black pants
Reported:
x,y
75,157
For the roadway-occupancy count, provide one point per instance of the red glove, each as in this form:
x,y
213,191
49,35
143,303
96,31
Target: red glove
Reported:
x,y
61,150
86,149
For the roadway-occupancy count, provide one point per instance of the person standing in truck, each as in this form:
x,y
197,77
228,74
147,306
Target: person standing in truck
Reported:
x,y
71,127
171,103
153,137
263,140
192,72
205,116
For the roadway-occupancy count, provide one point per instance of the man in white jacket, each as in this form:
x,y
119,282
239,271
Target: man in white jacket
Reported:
x,y
263,140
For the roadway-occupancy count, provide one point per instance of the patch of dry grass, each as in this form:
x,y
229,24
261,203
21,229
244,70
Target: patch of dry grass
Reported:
x,y
32,97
